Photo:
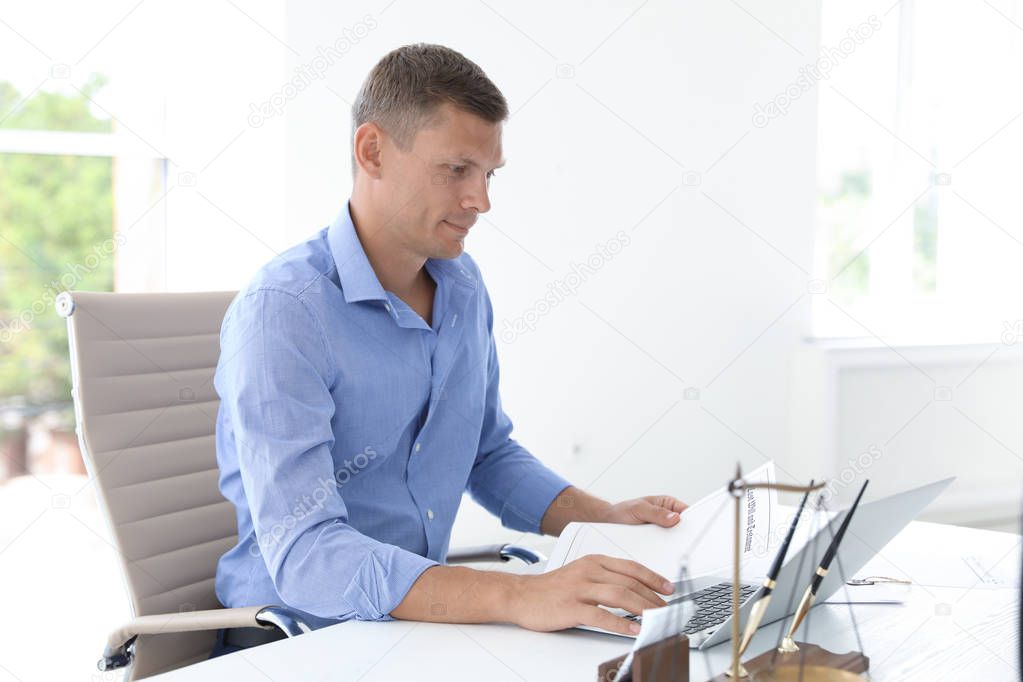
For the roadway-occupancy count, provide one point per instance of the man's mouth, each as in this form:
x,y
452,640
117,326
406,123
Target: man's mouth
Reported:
x,y
457,228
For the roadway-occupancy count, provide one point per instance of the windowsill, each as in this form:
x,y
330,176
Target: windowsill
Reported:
x,y
860,343
925,322
869,352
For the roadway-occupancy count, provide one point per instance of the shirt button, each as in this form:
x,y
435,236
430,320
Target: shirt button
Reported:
x,y
417,447
429,514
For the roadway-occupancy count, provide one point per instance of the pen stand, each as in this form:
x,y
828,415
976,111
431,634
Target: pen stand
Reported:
x,y
810,664
663,661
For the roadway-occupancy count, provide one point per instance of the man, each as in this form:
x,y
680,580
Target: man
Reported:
x,y
359,386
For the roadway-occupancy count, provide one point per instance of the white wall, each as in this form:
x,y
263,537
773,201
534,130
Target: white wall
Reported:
x,y
906,414
183,77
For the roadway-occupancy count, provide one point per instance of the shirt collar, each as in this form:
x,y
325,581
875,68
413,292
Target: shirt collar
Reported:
x,y
358,280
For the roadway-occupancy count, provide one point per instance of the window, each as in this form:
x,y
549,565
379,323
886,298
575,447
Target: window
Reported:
x,y
74,194
919,211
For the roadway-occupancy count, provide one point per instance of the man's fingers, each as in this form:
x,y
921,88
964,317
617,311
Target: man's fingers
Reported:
x,y
616,596
654,581
673,503
601,618
668,502
648,512
613,578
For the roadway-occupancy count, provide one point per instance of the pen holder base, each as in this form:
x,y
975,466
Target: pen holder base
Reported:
x,y
663,661
818,665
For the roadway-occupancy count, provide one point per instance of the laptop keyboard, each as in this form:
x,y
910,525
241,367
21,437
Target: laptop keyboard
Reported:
x,y
713,606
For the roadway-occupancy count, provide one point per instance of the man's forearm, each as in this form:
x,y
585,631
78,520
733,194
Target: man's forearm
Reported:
x,y
456,594
572,504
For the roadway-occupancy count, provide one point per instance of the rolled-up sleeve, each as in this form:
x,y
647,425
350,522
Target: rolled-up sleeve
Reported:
x,y
275,385
506,478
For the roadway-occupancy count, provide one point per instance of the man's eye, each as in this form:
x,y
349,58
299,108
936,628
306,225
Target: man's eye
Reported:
x,y
457,170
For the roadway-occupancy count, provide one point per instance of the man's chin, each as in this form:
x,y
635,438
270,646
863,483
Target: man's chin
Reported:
x,y
451,249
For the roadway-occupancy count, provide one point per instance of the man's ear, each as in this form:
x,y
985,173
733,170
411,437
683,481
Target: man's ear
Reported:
x,y
368,144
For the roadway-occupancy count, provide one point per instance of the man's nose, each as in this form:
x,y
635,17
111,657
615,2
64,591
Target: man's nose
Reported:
x,y
478,198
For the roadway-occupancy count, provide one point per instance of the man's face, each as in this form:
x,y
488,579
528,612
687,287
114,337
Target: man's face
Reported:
x,y
438,187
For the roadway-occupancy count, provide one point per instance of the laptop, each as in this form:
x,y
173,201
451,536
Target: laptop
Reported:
x,y
873,525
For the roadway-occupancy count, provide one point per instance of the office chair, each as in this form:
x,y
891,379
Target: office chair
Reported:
x,y
142,370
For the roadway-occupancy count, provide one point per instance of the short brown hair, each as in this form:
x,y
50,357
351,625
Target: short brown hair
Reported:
x,y
405,88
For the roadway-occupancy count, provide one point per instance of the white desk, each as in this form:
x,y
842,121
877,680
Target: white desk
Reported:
x,y
958,622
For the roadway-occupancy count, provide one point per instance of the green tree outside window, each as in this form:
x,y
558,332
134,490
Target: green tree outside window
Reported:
x,y
56,233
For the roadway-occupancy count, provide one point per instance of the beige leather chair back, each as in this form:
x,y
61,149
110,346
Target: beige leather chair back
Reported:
x,y
142,370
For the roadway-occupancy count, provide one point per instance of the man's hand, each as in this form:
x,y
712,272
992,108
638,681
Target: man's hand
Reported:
x,y
562,598
660,509
573,504
569,596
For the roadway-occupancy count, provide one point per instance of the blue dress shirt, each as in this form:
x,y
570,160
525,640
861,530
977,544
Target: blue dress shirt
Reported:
x,y
349,428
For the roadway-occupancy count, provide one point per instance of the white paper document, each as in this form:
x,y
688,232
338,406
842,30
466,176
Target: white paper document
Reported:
x,y
702,541
657,625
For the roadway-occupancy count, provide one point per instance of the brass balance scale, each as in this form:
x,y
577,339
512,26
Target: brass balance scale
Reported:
x,y
792,660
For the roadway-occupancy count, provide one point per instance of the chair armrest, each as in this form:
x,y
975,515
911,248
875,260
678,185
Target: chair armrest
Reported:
x,y
118,651
499,552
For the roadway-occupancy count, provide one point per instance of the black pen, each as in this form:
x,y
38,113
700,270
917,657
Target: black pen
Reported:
x,y
757,612
788,645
